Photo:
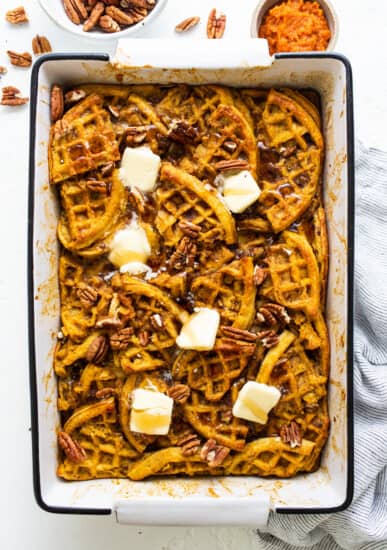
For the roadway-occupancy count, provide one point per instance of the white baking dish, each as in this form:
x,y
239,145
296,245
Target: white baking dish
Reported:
x,y
238,500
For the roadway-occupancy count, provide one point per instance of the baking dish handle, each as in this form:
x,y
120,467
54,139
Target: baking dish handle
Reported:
x,y
201,54
243,511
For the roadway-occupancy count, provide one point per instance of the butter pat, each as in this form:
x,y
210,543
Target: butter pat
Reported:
x,y
255,401
135,268
239,190
139,168
199,331
129,245
151,412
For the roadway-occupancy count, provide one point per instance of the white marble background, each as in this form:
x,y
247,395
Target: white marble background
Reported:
x,y
363,38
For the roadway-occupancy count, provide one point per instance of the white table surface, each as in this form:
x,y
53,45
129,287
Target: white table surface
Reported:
x,y
23,525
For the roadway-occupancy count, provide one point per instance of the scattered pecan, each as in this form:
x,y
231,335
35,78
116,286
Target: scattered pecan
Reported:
x,y
268,338
73,96
96,186
122,17
260,275
104,393
182,132
288,151
143,338
184,255
20,59
137,200
109,323
75,10
272,314
134,135
230,345
56,103
226,416
213,453
41,44
291,433
71,448
187,24
216,24
61,128
108,24
239,334
190,229
11,97
3,70
232,165
107,169
114,111
229,145
179,393
87,295
156,321
17,16
121,339
94,16
189,444
97,349
311,407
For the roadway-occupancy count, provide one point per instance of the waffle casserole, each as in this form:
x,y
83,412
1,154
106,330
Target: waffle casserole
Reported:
x,y
255,268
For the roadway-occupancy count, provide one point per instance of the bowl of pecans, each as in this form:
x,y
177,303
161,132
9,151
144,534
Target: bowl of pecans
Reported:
x,y
101,19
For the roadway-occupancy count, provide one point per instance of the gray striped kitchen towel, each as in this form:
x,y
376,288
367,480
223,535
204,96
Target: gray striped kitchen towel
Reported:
x,y
364,524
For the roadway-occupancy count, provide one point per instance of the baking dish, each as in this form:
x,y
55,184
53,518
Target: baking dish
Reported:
x,y
242,501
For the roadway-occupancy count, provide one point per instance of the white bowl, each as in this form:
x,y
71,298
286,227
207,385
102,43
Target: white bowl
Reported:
x,y
55,10
264,5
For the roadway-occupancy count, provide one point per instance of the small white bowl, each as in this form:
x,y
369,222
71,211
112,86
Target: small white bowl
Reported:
x,y
55,10
264,5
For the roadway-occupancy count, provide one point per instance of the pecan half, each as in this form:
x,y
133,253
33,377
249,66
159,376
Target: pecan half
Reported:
x,y
272,314
56,103
230,345
97,349
134,135
137,200
87,295
239,334
259,275
17,16
109,323
291,434
75,10
108,24
182,132
213,453
73,96
3,70
11,97
157,321
94,16
216,24
143,338
179,393
189,444
107,169
187,24
41,44
71,448
122,17
145,4
268,338
20,59
105,392
190,229
231,165
121,339
184,255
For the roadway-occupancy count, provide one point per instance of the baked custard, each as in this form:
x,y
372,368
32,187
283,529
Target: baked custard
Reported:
x,y
192,277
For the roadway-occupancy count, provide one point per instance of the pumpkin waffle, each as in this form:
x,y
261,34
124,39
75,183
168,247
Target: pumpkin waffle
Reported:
x,y
90,208
231,290
82,140
182,197
264,271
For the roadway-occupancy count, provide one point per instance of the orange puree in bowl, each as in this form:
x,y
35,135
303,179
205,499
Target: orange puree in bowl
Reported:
x,y
295,26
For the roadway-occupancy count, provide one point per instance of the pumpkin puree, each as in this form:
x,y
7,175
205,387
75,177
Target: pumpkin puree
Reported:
x,y
295,26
